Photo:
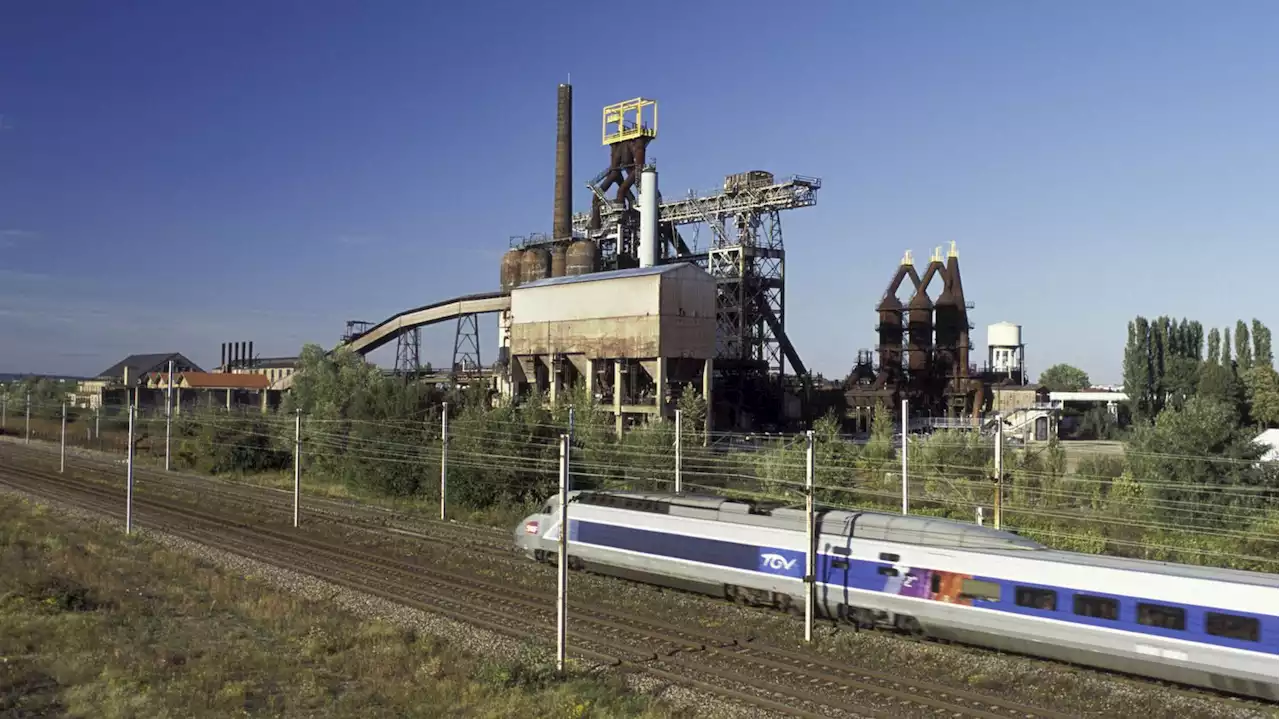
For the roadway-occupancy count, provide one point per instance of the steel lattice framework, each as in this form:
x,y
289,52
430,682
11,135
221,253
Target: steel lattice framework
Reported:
x,y
466,346
746,256
409,352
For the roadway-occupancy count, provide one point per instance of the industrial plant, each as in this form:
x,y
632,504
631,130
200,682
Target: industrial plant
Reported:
x,y
625,300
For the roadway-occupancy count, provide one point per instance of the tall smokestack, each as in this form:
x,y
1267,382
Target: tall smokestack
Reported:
x,y
562,225
224,357
251,354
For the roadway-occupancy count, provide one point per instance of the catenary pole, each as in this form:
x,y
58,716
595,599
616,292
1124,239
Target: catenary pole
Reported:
x,y
904,456
62,451
128,484
810,570
168,412
562,557
679,456
28,418
997,519
444,457
297,464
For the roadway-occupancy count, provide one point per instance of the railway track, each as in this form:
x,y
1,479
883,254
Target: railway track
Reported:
x,y
767,677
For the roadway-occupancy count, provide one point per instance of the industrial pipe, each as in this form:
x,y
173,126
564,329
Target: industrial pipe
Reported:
x,y
648,249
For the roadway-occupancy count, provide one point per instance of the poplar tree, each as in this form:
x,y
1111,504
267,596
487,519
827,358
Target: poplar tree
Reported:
x,y
1262,345
1138,377
1244,350
1197,340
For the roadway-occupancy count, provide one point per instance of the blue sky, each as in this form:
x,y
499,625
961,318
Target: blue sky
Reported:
x,y
177,175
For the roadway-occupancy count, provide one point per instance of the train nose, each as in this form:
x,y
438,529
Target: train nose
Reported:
x,y
527,530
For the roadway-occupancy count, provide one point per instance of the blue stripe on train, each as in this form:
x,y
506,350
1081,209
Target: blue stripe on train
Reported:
x,y
865,575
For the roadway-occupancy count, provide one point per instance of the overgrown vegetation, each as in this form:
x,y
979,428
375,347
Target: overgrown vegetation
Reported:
x,y
1186,485
96,624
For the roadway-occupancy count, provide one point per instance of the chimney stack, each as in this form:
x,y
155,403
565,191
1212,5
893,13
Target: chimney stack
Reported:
x,y
562,225
249,359
223,365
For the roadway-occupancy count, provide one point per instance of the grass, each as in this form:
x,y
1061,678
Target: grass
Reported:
x,y
94,623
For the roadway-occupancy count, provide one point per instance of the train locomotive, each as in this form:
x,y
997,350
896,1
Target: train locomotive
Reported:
x,y
1200,626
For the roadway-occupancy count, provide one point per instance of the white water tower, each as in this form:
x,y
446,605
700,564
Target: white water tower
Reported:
x,y
1005,351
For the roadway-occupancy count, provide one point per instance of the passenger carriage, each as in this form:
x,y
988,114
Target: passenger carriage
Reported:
x,y
1201,626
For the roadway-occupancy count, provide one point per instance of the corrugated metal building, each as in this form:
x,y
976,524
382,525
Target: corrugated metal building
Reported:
x,y
637,337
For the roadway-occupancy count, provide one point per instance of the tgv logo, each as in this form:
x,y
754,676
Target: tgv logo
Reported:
x,y
776,562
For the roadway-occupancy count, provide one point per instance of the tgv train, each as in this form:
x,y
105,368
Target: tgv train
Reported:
x,y
1214,628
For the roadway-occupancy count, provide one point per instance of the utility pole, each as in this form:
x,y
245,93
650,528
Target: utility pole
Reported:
x,y
62,454
679,458
297,464
168,412
444,457
810,555
4,411
904,456
28,418
128,485
999,498
562,557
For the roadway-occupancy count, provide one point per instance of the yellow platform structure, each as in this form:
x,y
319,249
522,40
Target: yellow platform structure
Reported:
x,y
629,120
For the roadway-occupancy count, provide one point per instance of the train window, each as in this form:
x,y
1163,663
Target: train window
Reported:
x,y
980,589
1231,626
887,557
935,583
1046,599
1158,615
1097,607
888,571
546,509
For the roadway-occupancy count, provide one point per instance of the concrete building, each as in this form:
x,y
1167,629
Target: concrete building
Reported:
x,y
637,337
273,368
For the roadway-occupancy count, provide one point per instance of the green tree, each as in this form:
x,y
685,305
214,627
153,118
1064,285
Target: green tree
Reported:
x,y
1159,358
1138,378
1244,350
1215,343
1196,340
1064,378
1260,388
1180,379
1217,383
1225,359
1098,423
1186,457
1262,345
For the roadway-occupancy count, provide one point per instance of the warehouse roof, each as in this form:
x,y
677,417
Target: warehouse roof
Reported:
x,y
139,365
610,275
